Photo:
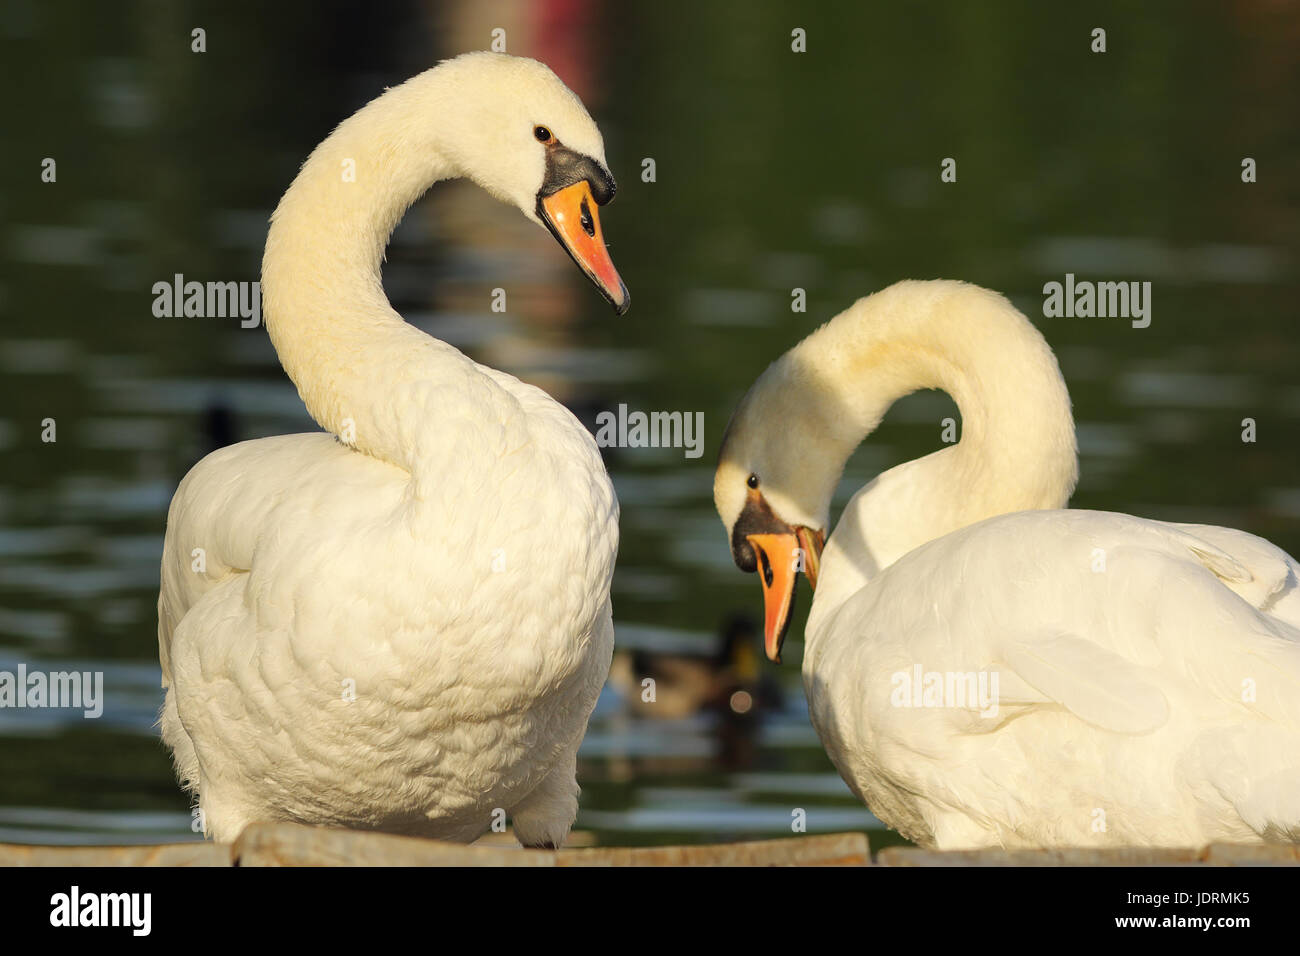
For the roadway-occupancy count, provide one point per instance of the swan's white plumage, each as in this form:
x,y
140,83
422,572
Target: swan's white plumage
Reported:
x,y
450,570
1149,673
1120,691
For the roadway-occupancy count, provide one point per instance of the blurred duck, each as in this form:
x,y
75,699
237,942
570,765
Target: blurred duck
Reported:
x,y
728,680
984,668
402,624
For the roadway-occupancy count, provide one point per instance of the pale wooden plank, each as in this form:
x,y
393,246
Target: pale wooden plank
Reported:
x,y
166,854
1237,854
290,844
1063,856
838,849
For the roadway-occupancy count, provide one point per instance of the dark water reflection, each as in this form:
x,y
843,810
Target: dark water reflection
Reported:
x,y
774,171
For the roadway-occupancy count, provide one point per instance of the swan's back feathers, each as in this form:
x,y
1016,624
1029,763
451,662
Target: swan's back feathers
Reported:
x,y
237,495
1162,599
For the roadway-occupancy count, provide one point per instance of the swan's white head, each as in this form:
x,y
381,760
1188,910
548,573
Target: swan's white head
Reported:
x,y
773,487
509,124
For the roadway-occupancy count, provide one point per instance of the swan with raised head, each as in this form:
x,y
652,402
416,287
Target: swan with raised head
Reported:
x,y
985,668
403,623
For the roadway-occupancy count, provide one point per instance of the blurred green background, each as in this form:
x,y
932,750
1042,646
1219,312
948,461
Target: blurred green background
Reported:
x,y
774,170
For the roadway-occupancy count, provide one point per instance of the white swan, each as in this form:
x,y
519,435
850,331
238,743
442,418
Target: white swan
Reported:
x,y
1147,674
406,627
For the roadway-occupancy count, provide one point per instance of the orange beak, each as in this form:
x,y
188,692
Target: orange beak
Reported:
x,y
570,214
780,559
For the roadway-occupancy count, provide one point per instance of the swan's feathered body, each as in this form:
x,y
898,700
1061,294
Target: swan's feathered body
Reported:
x,y
1144,676
404,627
1147,685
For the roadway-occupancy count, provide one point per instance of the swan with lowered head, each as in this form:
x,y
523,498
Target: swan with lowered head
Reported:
x,y
984,668
404,627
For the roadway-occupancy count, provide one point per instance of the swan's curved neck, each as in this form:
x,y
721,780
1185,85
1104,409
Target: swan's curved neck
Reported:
x,y
1017,447
346,349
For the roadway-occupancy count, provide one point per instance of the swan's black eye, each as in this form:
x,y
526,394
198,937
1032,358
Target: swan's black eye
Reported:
x,y
753,481
543,134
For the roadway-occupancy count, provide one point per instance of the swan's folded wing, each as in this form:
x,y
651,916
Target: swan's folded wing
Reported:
x,y
1201,612
1093,683
1256,570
